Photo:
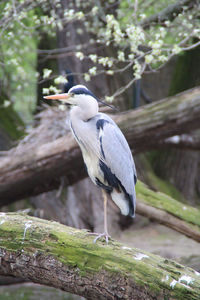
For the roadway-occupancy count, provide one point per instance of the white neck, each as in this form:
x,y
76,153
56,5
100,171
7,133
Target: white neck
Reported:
x,y
87,107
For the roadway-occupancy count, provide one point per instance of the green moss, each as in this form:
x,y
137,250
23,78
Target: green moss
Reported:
x,y
156,182
76,250
11,123
164,202
187,72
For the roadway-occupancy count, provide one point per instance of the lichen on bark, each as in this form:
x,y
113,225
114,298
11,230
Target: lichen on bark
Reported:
x,y
66,258
162,201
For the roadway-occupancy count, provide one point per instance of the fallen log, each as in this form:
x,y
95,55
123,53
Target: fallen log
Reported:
x,y
59,256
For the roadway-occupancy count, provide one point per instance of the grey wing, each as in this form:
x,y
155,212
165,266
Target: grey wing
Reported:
x,y
118,156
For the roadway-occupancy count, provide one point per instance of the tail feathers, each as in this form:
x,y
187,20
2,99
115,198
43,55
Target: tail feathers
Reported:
x,y
132,205
125,202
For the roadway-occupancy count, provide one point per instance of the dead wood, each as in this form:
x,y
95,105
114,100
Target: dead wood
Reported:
x,y
59,256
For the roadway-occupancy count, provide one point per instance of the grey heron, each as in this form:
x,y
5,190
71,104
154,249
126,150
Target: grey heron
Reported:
x,y
105,151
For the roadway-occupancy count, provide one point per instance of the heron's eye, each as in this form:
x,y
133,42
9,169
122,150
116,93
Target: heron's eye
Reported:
x,y
72,94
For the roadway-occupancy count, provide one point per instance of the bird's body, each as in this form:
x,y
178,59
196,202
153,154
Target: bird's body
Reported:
x,y
105,151
112,170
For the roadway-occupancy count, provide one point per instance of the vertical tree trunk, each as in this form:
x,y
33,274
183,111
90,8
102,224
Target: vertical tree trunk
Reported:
x,y
45,43
182,168
11,126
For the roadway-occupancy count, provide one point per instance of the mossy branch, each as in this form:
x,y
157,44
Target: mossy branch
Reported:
x,y
56,255
168,211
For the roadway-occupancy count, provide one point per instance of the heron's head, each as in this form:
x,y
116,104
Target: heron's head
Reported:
x,y
77,95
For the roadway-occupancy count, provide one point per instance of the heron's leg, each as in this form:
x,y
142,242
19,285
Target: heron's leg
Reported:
x,y
105,212
105,234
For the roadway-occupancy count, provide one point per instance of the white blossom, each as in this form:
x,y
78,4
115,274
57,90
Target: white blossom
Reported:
x,y
176,49
137,70
113,30
163,32
162,58
131,56
94,10
6,103
136,36
46,73
167,23
121,56
69,13
45,91
110,72
79,15
149,58
60,80
93,71
54,90
93,57
87,77
142,16
109,98
80,55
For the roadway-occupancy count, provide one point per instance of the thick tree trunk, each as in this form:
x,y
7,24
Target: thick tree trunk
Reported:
x,y
25,172
52,254
11,126
45,42
182,168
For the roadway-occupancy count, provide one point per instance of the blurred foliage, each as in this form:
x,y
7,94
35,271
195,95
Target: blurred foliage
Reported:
x,y
142,9
18,60
156,182
119,25
187,72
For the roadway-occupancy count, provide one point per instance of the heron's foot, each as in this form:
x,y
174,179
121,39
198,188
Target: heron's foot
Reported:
x,y
104,235
100,235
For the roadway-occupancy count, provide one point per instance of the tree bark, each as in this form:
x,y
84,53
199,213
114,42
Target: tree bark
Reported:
x,y
168,211
182,168
11,126
25,172
183,142
59,256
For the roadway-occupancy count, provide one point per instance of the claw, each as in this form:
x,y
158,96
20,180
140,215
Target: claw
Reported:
x,y
105,235
99,235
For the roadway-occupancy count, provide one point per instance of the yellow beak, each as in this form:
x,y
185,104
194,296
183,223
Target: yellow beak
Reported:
x,y
58,97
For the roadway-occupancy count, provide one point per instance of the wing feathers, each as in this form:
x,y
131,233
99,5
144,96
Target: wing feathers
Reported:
x,y
117,157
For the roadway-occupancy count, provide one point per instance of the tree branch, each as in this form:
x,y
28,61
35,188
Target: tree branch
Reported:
x,y
27,172
184,141
168,211
59,256
168,13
